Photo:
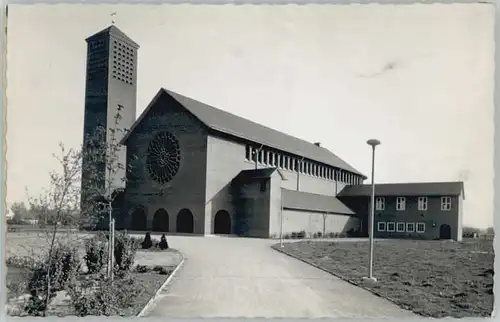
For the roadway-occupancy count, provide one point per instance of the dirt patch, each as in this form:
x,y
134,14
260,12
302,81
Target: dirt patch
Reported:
x,y
431,278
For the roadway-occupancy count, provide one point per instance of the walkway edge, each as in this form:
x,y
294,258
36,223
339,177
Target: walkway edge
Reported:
x,y
162,287
281,250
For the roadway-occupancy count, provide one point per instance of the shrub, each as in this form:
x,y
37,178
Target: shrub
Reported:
x,y
142,269
320,234
164,271
301,234
95,253
353,233
124,252
163,242
103,297
22,262
147,243
62,264
35,306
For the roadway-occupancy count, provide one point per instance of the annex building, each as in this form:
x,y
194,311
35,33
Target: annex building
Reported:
x,y
197,169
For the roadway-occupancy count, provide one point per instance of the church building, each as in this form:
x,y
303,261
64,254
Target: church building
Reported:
x,y
193,168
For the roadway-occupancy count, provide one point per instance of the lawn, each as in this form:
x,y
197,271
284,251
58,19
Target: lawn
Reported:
x,y
431,278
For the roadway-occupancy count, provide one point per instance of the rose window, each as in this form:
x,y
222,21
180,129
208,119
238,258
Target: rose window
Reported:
x,y
163,157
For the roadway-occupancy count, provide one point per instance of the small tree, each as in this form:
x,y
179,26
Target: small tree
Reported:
x,y
58,203
105,174
20,212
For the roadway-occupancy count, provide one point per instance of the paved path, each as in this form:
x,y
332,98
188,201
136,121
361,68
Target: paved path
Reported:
x,y
238,277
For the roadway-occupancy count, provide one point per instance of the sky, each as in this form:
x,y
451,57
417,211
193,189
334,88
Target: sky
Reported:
x,y
417,77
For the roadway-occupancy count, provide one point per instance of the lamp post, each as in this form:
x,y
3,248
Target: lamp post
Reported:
x,y
281,210
373,143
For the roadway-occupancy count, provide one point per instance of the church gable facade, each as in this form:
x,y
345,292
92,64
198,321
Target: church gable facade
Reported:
x,y
166,157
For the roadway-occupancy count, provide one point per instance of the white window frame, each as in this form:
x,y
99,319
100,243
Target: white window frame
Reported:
x,y
420,230
393,227
400,203
379,203
410,230
422,203
400,230
384,225
445,203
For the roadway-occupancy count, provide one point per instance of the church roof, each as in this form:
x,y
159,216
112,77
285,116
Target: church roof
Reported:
x,y
236,126
298,200
406,189
114,31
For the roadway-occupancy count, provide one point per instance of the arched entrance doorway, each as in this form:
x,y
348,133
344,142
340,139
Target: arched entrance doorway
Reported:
x,y
444,231
160,221
139,220
185,221
222,223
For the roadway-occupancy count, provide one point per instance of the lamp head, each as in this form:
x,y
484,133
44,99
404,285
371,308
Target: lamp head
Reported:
x,y
373,142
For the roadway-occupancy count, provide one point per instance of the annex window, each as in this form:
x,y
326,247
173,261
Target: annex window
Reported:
x,y
391,227
272,157
266,157
422,203
381,226
400,203
248,152
446,203
261,156
280,161
380,203
255,155
400,227
410,227
420,227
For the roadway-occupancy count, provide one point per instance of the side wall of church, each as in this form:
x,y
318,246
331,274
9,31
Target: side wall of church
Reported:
x,y
186,190
225,160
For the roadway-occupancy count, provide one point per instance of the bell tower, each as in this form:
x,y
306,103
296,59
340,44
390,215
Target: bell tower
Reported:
x,y
110,89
